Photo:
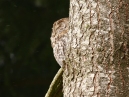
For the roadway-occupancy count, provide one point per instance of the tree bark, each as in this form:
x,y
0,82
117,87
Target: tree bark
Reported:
x,y
97,54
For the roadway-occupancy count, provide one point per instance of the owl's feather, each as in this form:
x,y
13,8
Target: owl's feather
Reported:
x,y
59,39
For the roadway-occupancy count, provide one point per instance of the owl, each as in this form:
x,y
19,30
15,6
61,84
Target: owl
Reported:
x,y
59,39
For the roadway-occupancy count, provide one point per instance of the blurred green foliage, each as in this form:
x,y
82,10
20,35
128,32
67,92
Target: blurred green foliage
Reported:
x,y
27,65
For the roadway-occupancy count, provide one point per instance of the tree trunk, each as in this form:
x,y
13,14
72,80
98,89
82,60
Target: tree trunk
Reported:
x,y
97,55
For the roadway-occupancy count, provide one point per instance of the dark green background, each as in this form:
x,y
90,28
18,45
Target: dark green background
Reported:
x,y
27,65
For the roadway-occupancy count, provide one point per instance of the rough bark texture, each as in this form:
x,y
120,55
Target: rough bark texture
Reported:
x,y
97,55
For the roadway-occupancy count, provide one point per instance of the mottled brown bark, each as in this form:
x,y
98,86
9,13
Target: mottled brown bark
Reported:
x,y
97,55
